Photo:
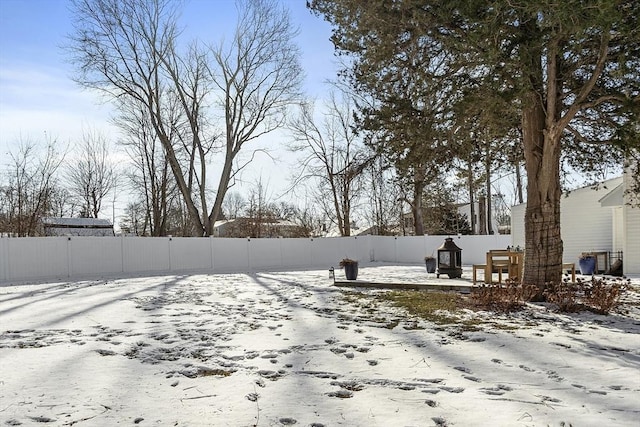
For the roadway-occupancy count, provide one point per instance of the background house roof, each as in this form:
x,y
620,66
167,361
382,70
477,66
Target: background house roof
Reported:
x,y
614,198
77,227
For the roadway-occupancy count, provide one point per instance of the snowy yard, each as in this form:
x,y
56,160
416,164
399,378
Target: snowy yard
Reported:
x,y
287,348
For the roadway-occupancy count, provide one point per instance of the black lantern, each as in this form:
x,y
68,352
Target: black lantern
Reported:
x,y
449,259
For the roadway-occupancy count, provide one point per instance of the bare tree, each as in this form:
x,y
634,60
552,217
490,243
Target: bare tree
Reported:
x,y
31,189
234,204
129,49
122,47
92,175
333,154
384,210
259,78
150,178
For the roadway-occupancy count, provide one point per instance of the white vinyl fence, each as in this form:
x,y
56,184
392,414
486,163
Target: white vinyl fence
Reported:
x,y
50,258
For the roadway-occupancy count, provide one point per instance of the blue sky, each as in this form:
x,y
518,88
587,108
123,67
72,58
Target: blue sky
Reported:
x,y
37,95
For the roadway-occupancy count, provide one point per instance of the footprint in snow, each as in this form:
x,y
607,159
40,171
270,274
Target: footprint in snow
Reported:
x,y
496,391
343,394
549,399
452,389
439,421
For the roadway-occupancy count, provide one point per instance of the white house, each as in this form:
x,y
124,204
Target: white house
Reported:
x,y
594,220
465,209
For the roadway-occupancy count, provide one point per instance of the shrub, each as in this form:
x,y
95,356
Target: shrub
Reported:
x,y
508,297
600,295
564,295
603,295
347,261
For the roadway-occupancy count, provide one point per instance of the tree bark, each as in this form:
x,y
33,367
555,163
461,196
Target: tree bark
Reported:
x,y
482,215
418,188
472,201
543,243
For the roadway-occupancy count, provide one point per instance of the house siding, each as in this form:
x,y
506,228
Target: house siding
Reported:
x,y
517,225
618,229
631,219
631,263
586,225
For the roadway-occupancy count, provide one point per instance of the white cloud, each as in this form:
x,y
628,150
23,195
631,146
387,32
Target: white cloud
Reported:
x,y
35,101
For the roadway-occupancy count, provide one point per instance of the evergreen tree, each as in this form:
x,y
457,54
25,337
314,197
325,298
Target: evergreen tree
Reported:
x,y
570,69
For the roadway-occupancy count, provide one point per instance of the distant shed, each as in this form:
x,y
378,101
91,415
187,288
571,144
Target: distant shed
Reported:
x,y
77,227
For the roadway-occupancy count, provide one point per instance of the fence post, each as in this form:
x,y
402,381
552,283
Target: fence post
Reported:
x,y
395,248
4,253
69,256
211,252
122,252
249,253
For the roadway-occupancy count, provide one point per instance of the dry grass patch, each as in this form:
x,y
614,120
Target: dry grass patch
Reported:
x,y
436,307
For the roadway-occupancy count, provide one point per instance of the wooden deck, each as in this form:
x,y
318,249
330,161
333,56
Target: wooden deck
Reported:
x,y
465,289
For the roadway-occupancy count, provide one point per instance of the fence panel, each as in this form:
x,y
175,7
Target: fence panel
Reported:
x,y
37,258
94,255
190,253
411,249
61,257
146,254
230,255
384,248
265,253
474,248
4,260
296,252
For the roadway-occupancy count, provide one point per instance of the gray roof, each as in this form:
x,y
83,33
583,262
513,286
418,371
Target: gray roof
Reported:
x,y
77,222
77,226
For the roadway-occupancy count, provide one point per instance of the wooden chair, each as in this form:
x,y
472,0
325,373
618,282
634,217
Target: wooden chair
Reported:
x,y
503,261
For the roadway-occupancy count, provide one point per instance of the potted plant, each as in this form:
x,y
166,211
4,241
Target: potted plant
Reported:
x,y
350,268
430,262
587,263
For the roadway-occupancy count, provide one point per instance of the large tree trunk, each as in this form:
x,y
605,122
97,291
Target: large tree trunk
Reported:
x,y
418,188
472,200
482,215
489,216
543,258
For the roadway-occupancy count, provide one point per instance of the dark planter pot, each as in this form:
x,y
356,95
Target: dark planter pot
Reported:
x,y
351,271
431,265
587,265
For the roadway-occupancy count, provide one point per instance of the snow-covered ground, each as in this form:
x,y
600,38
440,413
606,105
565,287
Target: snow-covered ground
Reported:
x,y
288,348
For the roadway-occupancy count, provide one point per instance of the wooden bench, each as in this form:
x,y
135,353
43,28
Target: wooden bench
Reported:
x,y
567,266
570,266
477,267
496,267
